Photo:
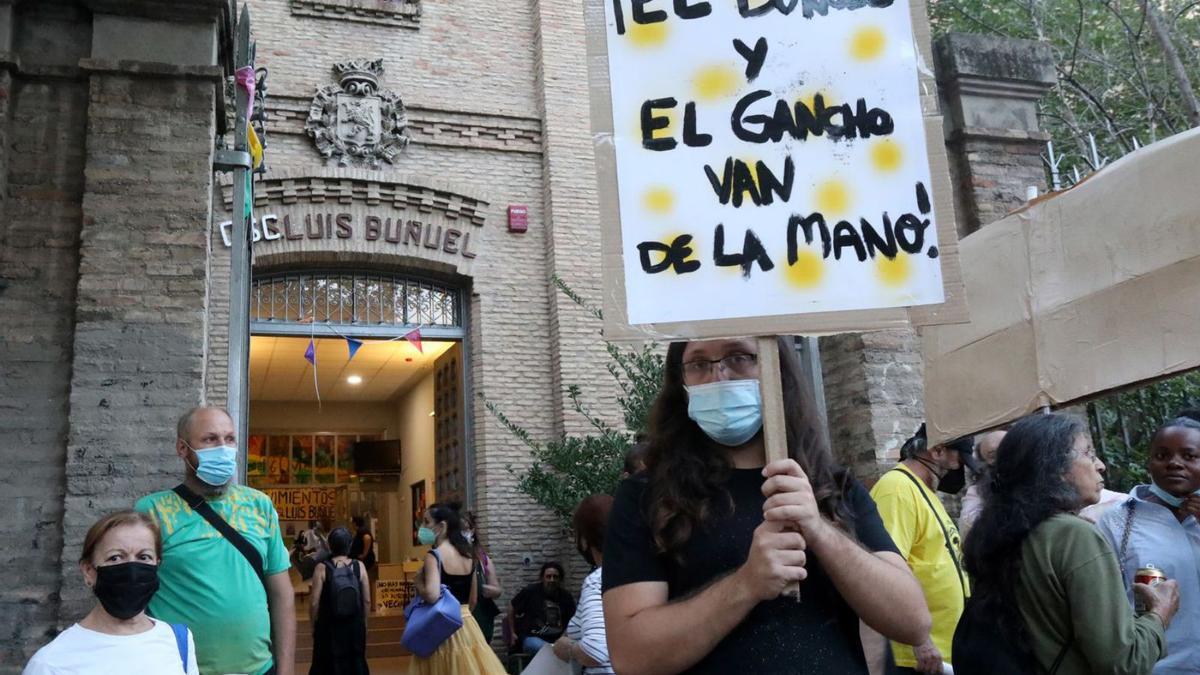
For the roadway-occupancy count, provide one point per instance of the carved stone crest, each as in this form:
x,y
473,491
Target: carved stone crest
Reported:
x,y
355,123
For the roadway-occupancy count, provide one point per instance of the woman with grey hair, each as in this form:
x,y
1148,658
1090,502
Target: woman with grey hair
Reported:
x,y
1047,594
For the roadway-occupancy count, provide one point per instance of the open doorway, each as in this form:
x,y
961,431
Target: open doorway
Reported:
x,y
377,435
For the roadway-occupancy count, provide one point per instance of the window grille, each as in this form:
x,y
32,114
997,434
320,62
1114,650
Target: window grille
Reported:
x,y
354,299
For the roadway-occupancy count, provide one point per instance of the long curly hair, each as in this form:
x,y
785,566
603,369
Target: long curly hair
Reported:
x,y
1027,486
687,470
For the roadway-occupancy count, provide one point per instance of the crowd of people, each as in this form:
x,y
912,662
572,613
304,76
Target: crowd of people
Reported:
x,y
696,559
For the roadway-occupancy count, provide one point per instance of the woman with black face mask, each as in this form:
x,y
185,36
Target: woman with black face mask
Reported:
x,y
119,563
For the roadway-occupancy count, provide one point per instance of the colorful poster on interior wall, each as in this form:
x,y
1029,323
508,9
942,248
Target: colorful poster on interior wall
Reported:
x,y
770,157
418,509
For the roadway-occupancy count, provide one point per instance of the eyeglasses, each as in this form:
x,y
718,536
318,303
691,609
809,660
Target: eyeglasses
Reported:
x,y
739,364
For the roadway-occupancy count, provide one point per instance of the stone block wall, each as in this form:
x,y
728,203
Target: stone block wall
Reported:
x,y
43,105
140,309
873,388
44,121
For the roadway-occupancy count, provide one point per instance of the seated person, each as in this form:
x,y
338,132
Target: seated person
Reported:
x,y
540,612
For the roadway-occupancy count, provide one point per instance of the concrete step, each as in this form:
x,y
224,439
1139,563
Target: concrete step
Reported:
x,y
374,651
383,637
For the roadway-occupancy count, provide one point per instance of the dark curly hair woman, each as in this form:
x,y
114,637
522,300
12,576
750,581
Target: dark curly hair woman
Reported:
x,y
1047,594
701,545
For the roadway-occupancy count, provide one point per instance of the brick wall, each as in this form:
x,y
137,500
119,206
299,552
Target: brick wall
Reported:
x,y
140,310
573,221
44,121
472,83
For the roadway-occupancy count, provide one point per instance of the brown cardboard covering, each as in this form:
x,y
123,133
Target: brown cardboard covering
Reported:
x,y
616,322
1091,290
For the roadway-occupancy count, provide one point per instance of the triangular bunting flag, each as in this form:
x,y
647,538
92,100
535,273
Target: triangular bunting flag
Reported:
x,y
310,354
414,336
353,346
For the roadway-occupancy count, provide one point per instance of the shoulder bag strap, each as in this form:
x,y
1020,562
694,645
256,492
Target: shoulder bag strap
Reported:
x,y
1062,653
202,507
181,641
962,582
1130,505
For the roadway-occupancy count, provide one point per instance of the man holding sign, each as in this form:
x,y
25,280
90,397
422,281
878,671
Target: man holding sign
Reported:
x,y
766,167
700,548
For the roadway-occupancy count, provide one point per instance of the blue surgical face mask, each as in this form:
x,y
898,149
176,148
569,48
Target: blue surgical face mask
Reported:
x,y
216,466
426,536
1168,498
730,411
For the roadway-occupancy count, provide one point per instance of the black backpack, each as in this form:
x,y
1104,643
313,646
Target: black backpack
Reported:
x,y
981,648
344,593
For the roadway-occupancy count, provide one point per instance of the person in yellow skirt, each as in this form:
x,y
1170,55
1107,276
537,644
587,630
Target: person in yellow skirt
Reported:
x,y
465,652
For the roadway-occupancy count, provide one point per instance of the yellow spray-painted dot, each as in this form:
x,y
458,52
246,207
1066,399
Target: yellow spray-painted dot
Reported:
x,y
867,43
670,239
648,35
886,155
715,82
809,98
832,198
808,270
894,272
659,200
752,167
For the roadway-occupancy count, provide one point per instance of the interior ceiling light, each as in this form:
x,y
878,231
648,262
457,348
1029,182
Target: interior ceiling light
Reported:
x,y
354,379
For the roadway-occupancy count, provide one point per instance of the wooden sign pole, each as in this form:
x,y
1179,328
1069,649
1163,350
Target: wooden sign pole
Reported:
x,y
770,383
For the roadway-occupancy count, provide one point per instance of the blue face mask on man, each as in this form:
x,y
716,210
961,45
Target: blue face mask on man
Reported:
x,y
729,411
215,466
1168,498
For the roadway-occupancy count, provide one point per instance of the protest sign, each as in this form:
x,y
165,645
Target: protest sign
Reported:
x,y
305,503
769,167
390,596
781,160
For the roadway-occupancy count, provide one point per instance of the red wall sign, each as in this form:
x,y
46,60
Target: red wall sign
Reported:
x,y
518,218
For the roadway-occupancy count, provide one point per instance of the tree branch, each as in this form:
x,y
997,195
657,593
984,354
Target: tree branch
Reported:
x,y
1182,80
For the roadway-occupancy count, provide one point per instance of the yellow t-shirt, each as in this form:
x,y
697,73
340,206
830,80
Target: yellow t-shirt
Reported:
x,y
915,530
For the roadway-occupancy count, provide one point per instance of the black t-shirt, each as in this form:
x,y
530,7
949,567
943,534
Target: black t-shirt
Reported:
x,y
817,635
542,614
359,545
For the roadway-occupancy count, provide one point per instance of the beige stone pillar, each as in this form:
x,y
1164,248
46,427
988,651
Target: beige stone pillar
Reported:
x,y
990,90
140,316
43,106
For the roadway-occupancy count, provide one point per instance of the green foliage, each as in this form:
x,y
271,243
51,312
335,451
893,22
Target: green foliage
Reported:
x,y
1123,424
567,469
1114,77
1116,81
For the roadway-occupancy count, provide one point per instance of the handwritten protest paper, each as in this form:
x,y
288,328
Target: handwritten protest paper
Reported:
x,y
771,158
